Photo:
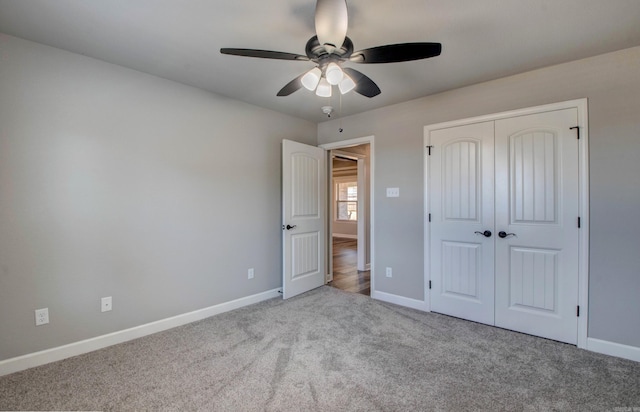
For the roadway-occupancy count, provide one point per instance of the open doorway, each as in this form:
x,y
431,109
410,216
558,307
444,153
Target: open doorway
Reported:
x,y
349,219
346,275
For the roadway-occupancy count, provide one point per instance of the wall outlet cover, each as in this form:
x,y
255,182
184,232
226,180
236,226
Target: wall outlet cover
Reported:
x,y
106,304
42,316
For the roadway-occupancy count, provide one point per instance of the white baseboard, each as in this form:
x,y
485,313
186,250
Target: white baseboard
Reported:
x,y
400,300
344,235
366,267
613,349
78,348
593,345
31,360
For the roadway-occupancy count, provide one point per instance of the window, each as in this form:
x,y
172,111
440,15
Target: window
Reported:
x,y
347,200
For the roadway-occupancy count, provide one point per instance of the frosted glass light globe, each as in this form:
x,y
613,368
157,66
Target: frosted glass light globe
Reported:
x,y
324,88
346,85
311,78
334,74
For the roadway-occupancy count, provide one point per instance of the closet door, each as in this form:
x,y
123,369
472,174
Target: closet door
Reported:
x,y
536,207
461,205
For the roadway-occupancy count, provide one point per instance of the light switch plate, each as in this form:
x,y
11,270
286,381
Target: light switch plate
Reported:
x,y
393,192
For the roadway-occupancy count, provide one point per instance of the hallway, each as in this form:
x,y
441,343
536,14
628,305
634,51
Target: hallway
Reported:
x,y
345,274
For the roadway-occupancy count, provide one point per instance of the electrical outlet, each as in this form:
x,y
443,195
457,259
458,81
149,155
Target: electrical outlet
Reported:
x,y
42,316
107,304
389,272
250,273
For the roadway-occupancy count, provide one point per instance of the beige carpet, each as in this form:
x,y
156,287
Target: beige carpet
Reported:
x,y
330,350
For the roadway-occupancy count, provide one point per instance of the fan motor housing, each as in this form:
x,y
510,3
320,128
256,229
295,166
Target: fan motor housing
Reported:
x,y
317,52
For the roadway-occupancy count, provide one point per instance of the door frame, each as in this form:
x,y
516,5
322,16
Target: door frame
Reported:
x,y
362,194
583,197
340,145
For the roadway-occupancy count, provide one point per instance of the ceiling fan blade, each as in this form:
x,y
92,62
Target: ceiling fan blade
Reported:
x,y
292,86
332,20
394,53
264,54
364,85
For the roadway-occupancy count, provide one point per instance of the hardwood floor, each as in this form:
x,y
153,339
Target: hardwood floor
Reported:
x,y
345,273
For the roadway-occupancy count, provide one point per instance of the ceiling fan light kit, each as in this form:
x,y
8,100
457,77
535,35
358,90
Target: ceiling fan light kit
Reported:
x,y
311,79
330,48
346,85
324,88
334,74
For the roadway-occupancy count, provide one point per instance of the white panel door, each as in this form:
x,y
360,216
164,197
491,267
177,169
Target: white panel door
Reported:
x,y
537,209
461,205
303,217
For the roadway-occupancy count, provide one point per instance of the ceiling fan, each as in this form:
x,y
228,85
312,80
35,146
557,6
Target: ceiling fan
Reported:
x,y
331,47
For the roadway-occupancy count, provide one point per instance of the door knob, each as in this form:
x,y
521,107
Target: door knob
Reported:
x,y
289,227
504,234
486,233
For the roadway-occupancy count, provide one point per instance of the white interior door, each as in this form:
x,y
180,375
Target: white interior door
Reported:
x,y
304,188
537,206
462,257
517,177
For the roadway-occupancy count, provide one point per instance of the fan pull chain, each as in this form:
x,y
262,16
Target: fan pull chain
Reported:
x,y
340,129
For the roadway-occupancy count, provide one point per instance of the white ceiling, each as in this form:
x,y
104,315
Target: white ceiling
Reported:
x,y
180,40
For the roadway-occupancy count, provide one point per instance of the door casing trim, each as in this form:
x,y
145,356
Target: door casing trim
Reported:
x,y
355,142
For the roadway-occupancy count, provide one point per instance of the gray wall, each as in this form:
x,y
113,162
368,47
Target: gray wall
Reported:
x,y
117,183
611,83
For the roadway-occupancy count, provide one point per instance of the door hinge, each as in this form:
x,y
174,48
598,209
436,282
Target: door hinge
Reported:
x,y
429,150
429,217
429,284
579,222
578,311
577,130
